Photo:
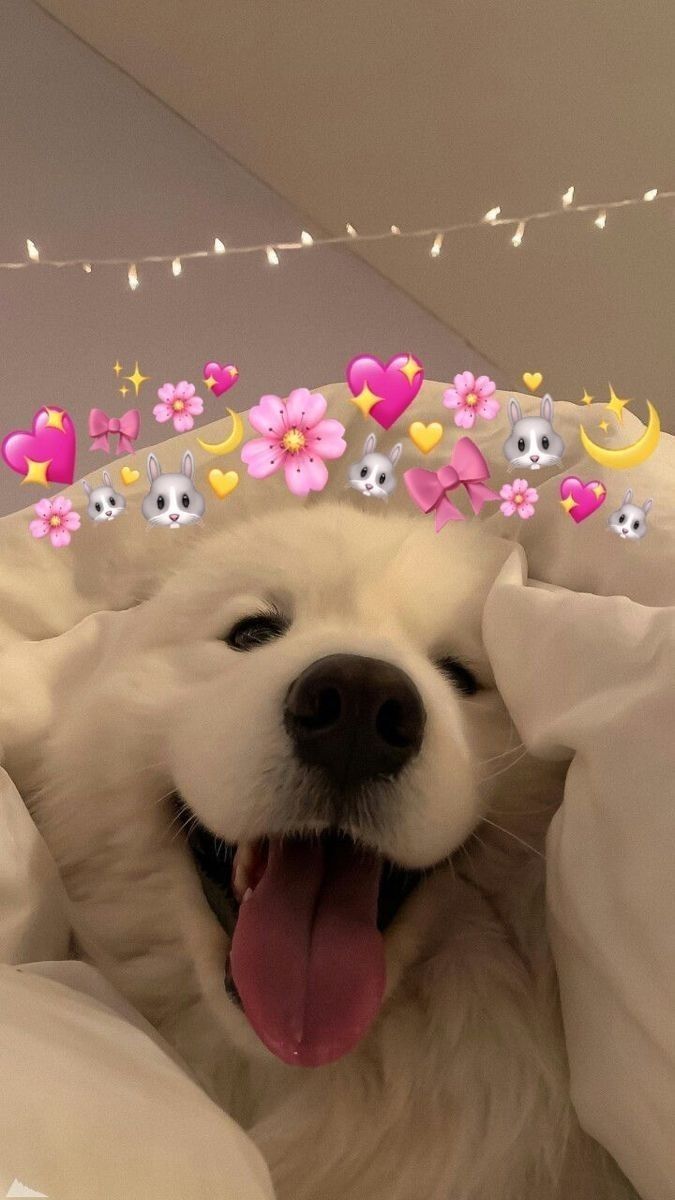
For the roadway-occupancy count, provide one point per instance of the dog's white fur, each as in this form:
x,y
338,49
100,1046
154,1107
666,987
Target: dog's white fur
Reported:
x,y
460,1089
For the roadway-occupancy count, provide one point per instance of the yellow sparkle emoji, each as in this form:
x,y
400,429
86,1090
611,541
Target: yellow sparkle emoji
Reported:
x,y
604,426
54,419
118,367
123,390
209,382
616,405
365,400
598,490
233,371
586,399
411,369
569,504
137,379
37,472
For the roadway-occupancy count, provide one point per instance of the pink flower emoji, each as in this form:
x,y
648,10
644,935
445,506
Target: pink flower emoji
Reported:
x,y
472,398
179,404
295,436
518,498
55,519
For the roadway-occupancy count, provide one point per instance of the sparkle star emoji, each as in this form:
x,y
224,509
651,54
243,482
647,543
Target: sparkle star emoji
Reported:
x,y
616,405
569,504
123,390
118,368
365,400
598,490
137,378
209,382
586,399
37,472
54,419
604,426
411,369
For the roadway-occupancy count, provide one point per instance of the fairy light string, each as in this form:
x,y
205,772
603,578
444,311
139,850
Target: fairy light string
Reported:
x,y
271,250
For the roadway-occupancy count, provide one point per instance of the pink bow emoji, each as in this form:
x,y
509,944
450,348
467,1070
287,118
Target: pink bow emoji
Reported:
x,y
467,468
127,426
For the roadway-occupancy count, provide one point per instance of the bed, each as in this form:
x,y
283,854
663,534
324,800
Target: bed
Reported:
x,y
580,629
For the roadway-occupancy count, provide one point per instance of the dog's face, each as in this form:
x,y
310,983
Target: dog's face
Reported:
x,y
311,694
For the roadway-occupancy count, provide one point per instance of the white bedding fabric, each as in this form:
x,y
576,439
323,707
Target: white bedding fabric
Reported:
x,y
85,1079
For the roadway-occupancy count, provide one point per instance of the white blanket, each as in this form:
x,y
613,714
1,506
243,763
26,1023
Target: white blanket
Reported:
x,y
585,665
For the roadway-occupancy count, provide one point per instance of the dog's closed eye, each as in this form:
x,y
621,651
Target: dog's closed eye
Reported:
x,y
256,630
457,673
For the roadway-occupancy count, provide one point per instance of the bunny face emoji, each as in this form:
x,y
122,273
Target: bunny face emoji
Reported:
x,y
104,503
374,475
533,442
630,521
173,500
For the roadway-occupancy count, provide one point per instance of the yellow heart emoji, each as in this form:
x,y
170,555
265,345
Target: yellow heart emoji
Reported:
x,y
129,476
532,379
223,482
424,436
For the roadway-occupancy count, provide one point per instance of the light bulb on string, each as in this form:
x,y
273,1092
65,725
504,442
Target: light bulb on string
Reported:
x,y
86,267
395,230
517,239
33,252
492,214
272,256
351,230
568,197
651,194
218,246
437,245
306,238
176,268
132,276
601,220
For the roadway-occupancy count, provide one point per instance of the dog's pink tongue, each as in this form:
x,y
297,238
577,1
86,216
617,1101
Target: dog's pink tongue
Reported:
x,y
307,958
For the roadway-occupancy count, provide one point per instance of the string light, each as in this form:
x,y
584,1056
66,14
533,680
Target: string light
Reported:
x,y
176,268
568,197
514,224
517,238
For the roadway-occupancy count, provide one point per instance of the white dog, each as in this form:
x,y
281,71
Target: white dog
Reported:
x,y
286,802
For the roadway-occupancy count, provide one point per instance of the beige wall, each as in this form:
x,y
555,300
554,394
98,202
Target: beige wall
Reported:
x,y
91,163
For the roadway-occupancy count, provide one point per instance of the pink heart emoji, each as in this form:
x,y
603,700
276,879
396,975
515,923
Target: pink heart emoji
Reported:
x,y
396,383
51,441
581,500
224,377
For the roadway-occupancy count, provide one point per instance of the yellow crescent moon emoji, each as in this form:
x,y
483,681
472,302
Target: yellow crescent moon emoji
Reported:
x,y
231,442
626,456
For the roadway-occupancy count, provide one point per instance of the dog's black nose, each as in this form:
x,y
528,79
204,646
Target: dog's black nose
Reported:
x,y
356,718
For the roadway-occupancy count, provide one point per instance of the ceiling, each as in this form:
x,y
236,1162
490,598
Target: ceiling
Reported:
x,y
386,111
